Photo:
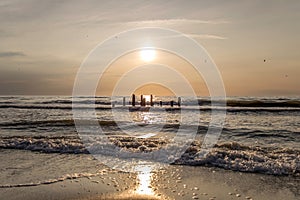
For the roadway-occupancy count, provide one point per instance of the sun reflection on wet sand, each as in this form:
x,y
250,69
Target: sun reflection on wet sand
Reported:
x,y
144,178
144,188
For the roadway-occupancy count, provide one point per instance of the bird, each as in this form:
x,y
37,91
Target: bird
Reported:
x,y
264,60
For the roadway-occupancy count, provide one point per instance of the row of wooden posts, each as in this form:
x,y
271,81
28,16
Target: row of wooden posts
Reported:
x,y
151,103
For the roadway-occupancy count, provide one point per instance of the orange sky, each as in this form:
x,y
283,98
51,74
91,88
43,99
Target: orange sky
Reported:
x,y
128,62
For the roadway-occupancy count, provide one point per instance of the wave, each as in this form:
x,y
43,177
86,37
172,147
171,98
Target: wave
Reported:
x,y
59,122
55,180
99,100
237,157
63,122
158,109
228,155
253,103
76,102
49,107
47,144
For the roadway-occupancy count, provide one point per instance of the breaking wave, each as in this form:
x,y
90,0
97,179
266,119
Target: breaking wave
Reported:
x,y
229,155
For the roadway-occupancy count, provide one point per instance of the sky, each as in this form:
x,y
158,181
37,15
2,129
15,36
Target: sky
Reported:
x,y
255,44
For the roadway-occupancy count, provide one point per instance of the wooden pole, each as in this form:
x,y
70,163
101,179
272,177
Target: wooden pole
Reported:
x,y
124,100
151,100
142,100
179,101
133,100
160,103
172,103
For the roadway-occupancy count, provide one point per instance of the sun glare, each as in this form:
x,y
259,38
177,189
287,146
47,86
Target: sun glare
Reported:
x,y
147,55
147,98
144,176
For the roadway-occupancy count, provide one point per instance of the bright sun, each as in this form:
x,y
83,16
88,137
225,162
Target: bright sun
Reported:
x,y
147,55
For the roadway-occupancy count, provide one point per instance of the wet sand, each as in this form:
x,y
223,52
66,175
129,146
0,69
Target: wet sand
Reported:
x,y
173,182
212,183
30,175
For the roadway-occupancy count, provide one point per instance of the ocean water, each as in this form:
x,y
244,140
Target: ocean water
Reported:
x,y
260,135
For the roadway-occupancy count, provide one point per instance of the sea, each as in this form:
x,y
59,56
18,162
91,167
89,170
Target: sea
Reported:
x,y
260,134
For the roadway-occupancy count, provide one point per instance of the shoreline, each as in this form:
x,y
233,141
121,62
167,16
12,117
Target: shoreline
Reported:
x,y
170,182
177,183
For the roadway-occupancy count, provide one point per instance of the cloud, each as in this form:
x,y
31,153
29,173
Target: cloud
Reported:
x,y
153,22
207,36
196,36
176,21
11,54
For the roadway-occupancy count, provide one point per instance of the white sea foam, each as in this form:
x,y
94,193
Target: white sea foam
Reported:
x,y
54,180
230,155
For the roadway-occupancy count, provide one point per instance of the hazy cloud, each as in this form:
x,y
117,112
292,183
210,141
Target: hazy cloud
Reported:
x,y
11,54
207,36
176,21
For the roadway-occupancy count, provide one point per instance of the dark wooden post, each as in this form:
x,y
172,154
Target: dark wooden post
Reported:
x,y
172,103
124,100
133,100
160,103
151,100
141,100
179,101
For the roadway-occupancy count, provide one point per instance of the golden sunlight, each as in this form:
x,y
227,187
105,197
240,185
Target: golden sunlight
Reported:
x,y
147,98
147,55
155,89
144,176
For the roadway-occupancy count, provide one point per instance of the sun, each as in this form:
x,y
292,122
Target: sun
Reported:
x,y
147,55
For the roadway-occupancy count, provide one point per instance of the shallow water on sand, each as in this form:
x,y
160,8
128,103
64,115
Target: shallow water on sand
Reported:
x,y
35,175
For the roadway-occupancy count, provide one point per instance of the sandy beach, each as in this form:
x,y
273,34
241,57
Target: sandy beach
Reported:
x,y
169,182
